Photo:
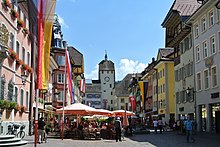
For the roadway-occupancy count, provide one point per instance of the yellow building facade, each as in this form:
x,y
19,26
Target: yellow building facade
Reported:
x,y
165,84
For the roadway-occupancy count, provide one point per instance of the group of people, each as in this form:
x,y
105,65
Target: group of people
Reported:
x,y
188,125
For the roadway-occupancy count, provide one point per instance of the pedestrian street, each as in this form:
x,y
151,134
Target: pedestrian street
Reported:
x,y
166,139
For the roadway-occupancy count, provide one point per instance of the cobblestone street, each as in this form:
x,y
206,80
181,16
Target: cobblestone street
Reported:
x,y
167,139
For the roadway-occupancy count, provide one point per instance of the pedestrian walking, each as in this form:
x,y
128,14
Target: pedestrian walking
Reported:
x,y
188,124
118,129
41,130
160,125
155,123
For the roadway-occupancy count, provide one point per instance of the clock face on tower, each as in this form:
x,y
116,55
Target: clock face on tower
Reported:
x,y
107,79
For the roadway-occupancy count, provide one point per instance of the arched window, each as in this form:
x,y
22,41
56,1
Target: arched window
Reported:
x,y
10,90
2,94
22,98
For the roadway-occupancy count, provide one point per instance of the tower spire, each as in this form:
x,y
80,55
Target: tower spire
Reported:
x,y
106,57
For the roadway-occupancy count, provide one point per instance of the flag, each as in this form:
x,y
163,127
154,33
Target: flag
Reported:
x,y
133,102
82,85
45,22
69,76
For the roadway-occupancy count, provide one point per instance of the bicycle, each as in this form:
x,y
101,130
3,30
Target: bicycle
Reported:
x,y
12,130
21,133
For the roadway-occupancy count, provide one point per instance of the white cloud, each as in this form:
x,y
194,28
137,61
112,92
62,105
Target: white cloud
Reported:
x,y
93,74
125,67
62,22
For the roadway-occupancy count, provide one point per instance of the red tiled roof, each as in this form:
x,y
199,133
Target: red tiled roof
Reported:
x,y
186,7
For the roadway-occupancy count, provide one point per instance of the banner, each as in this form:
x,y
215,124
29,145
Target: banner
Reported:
x,y
45,23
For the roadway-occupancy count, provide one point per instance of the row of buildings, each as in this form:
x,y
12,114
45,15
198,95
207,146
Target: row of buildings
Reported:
x,y
182,80
18,67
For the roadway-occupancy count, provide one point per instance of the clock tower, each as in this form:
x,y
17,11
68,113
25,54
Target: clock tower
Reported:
x,y
107,80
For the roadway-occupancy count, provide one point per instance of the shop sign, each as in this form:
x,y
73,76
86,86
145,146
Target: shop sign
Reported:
x,y
4,35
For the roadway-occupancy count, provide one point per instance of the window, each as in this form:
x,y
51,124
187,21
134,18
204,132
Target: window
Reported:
x,y
25,21
16,95
2,96
163,87
61,60
205,49
177,97
219,40
19,12
17,48
60,96
197,54
196,30
122,100
206,79
218,14
186,43
28,59
111,101
212,45
199,83
23,54
11,41
110,85
27,100
60,78
211,19
10,90
214,76
203,23
22,97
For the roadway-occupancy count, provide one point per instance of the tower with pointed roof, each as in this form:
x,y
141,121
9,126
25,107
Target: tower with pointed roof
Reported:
x,y
107,81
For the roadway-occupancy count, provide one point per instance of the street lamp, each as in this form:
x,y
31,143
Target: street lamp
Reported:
x,y
217,5
190,92
23,79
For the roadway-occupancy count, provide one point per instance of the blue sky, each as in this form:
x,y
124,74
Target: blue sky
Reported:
x,y
129,30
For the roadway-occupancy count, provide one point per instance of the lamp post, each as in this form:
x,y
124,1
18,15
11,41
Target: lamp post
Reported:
x,y
190,93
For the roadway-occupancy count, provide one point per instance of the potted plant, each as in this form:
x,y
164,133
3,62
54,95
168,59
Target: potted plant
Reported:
x,y
3,104
19,62
23,108
12,54
12,105
18,108
6,3
20,23
26,31
30,70
14,13
24,66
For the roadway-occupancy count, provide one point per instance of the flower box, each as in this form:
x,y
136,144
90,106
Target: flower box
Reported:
x,y
23,108
24,66
18,108
14,13
26,31
12,54
6,3
30,70
19,61
20,23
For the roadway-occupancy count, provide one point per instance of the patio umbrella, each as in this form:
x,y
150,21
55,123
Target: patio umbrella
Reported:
x,y
121,113
125,119
77,109
104,112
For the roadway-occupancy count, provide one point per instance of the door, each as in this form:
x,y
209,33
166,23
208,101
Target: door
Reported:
x,y
217,121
